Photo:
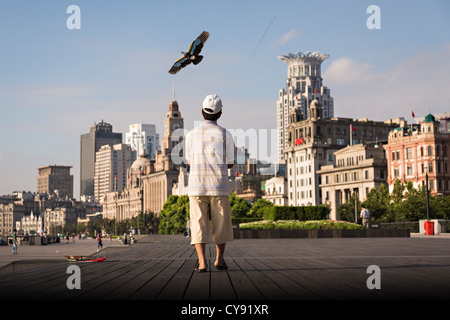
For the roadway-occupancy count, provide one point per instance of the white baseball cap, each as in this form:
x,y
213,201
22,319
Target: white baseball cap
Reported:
x,y
212,104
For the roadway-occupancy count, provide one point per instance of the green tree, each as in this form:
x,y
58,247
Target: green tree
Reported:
x,y
173,215
239,207
378,202
257,210
346,211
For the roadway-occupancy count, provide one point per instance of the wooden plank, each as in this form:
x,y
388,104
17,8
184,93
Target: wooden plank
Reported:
x,y
39,281
153,287
199,285
221,287
135,283
243,287
265,285
177,285
97,278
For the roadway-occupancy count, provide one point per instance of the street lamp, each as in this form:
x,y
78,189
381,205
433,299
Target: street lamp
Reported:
x,y
428,204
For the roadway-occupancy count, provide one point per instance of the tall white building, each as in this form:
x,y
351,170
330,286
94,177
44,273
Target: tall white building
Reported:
x,y
303,85
143,139
111,165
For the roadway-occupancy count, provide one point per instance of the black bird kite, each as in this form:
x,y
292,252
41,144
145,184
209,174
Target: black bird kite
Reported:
x,y
192,55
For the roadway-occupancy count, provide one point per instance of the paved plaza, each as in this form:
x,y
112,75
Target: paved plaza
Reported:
x,y
261,271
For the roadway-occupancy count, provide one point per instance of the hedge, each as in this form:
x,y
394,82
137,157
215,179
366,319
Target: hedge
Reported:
x,y
304,213
295,224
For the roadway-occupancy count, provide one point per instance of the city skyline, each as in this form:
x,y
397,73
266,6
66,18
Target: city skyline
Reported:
x,y
58,82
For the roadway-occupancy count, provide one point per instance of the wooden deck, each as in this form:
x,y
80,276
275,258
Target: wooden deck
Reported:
x,y
161,267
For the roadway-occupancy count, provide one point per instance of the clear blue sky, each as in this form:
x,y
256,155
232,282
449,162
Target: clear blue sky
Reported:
x,y
55,82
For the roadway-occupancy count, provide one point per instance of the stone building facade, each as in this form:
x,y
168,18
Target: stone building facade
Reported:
x,y
275,191
55,180
150,182
416,150
357,170
312,142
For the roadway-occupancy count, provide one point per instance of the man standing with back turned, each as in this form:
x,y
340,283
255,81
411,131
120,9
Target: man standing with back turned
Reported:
x,y
210,151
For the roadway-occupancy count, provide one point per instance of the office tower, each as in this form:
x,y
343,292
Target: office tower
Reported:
x,y
99,135
55,180
143,138
303,85
111,165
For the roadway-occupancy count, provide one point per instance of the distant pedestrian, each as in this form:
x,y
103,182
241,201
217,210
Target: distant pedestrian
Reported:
x,y
67,238
99,242
365,215
188,227
14,242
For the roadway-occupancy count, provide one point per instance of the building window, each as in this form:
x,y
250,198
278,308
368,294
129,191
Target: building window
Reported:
x,y
398,155
423,168
430,151
409,170
408,153
421,151
340,142
393,155
366,174
396,172
430,167
431,185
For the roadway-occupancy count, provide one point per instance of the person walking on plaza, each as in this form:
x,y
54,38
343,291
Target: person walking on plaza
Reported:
x,y
188,227
99,242
14,242
210,152
365,215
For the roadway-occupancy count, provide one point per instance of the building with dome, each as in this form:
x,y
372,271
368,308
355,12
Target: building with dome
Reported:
x,y
150,181
415,150
311,143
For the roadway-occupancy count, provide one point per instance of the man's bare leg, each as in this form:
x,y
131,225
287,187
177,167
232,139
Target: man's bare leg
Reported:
x,y
220,249
200,248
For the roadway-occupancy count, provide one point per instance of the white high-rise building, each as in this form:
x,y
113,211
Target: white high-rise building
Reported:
x,y
303,85
111,165
143,139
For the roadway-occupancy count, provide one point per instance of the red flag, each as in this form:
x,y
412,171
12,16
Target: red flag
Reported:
x,y
412,112
298,141
353,128
317,90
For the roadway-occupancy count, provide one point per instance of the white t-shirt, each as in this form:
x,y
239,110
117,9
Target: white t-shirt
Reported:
x,y
209,149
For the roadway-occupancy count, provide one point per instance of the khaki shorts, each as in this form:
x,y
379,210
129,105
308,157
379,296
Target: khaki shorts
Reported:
x,y
200,209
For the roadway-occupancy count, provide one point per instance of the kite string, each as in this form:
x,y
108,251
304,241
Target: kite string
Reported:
x,y
267,29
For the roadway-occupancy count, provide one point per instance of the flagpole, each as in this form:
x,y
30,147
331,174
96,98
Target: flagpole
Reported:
x,y
351,135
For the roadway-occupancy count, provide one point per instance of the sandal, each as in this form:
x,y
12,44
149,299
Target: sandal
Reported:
x,y
200,270
224,266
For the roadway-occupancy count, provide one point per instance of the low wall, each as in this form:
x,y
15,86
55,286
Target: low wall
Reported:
x,y
320,233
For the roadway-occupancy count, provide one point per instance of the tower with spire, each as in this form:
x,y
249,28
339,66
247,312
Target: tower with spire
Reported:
x,y
303,86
